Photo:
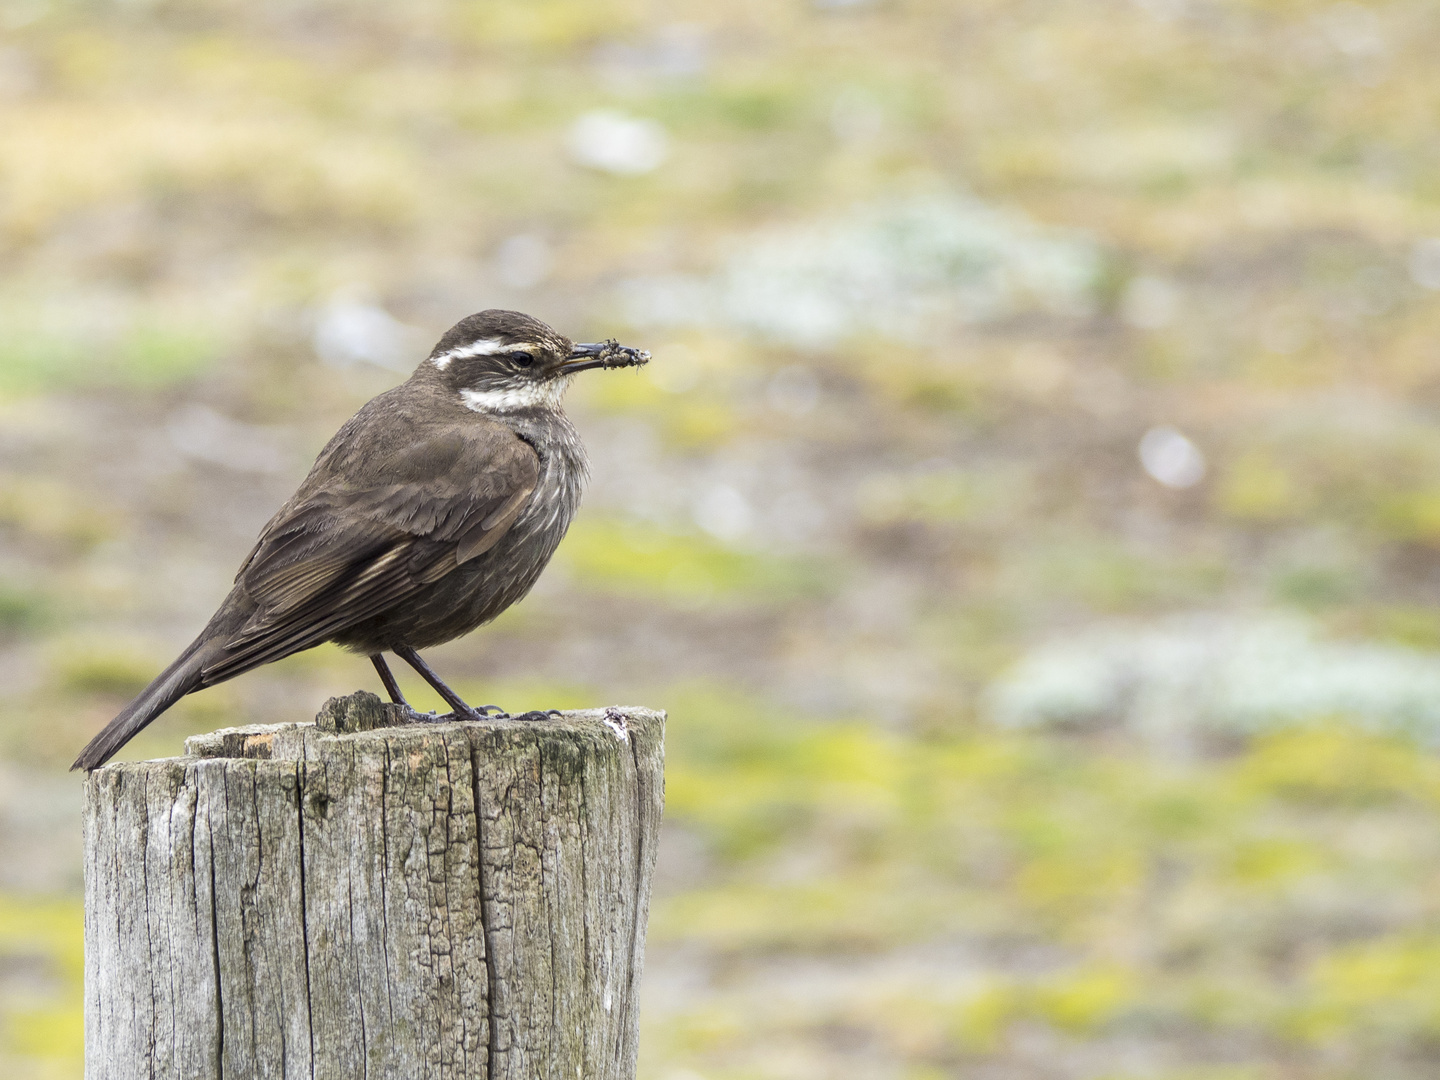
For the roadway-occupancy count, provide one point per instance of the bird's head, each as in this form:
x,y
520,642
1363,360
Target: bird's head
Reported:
x,y
505,361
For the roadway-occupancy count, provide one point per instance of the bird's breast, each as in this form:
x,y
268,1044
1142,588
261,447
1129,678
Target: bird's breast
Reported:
x,y
563,469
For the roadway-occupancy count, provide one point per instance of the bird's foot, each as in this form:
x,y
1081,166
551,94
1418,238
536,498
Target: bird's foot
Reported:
x,y
480,712
533,714
456,716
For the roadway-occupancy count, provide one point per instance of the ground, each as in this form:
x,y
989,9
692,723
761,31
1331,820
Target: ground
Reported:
x,y
1030,519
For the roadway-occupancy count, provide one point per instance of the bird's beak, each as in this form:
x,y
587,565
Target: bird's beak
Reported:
x,y
601,354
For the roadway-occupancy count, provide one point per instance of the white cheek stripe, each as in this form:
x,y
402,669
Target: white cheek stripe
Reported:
x,y
545,394
483,347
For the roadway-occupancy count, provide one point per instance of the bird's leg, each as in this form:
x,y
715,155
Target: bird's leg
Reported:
x,y
454,700
391,686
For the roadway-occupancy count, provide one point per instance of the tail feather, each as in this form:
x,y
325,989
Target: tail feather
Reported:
x,y
184,676
179,679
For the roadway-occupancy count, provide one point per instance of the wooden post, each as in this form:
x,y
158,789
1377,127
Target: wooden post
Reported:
x,y
347,899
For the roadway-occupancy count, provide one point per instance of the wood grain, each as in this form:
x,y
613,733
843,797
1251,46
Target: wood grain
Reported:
x,y
347,899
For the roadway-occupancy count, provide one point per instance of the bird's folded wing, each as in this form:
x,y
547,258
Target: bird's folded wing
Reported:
x,y
357,545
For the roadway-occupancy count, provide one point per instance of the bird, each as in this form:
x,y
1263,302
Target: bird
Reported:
x,y
431,511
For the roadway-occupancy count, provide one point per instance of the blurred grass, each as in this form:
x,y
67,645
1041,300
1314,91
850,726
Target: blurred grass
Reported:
x,y
41,1029
190,183
1006,839
1210,895
47,512
632,558
22,609
143,359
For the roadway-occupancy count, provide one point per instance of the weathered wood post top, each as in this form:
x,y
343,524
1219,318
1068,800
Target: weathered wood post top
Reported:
x,y
368,896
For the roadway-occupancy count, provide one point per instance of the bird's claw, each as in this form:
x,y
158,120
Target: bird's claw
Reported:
x,y
455,716
470,712
538,714
481,712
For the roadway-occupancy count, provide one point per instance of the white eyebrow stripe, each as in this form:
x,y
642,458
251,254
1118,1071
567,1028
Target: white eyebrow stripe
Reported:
x,y
483,347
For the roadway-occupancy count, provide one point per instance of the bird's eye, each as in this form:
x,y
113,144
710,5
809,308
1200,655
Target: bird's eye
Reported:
x,y
522,359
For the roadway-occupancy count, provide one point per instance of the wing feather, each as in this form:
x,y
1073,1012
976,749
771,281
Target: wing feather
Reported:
x,y
344,551
493,526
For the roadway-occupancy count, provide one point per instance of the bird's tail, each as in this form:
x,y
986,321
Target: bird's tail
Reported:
x,y
182,677
179,679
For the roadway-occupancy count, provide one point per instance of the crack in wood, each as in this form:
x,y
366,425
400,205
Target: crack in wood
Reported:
x,y
377,909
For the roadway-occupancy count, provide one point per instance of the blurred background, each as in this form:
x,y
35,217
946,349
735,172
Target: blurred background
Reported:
x,y
1030,519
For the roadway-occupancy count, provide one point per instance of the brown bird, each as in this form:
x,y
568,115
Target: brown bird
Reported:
x,y
429,513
